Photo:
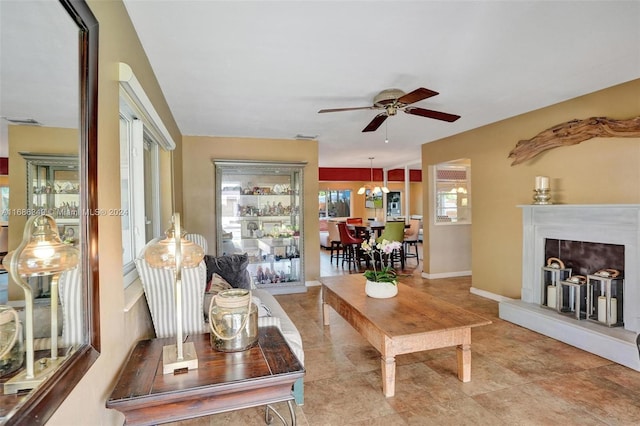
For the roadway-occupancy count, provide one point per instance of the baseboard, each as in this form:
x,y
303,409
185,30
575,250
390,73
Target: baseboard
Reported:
x,y
446,275
488,295
312,283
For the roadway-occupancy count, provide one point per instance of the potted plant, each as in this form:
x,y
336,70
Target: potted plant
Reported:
x,y
381,283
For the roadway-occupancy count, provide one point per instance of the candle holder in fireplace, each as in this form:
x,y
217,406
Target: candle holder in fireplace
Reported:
x,y
605,298
552,275
572,296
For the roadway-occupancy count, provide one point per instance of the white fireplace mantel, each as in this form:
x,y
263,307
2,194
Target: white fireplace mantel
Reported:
x,y
598,223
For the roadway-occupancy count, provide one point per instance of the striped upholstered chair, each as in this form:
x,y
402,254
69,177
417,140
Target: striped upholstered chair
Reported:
x,y
199,240
70,292
158,289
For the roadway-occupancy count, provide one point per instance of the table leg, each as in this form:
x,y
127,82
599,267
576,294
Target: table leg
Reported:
x,y
388,376
325,313
464,358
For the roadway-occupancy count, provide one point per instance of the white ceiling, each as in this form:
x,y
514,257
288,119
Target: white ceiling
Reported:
x,y
38,64
264,69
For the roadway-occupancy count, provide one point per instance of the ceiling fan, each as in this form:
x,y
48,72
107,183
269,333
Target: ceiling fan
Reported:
x,y
392,100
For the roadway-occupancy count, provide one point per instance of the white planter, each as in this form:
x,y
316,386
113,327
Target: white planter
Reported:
x,y
380,290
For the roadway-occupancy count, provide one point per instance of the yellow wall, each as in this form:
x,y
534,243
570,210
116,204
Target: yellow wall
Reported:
x,y
119,329
199,184
598,171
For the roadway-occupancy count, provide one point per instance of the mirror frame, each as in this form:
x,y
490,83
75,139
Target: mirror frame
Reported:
x,y
43,401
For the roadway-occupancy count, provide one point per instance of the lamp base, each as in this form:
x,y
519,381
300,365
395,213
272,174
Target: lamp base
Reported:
x,y
170,361
42,369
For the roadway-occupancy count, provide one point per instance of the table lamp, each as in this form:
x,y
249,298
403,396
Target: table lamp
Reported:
x,y
41,253
176,252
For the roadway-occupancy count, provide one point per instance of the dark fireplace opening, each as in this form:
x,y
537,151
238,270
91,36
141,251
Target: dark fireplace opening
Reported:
x,y
585,257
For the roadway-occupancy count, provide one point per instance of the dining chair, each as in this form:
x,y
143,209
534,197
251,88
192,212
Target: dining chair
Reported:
x,y
394,231
411,237
335,245
354,221
350,246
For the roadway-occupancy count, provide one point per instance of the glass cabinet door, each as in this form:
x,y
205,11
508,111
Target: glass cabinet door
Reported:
x,y
53,186
259,212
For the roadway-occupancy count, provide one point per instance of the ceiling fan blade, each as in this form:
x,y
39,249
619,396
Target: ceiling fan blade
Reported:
x,y
417,95
345,109
431,114
376,122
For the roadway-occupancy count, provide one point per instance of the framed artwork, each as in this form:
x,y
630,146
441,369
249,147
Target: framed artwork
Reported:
x,y
70,234
373,201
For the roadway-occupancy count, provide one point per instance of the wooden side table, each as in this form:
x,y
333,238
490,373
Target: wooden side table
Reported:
x,y
261,375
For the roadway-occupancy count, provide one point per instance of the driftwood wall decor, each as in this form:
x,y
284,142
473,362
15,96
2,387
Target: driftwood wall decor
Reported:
x,y
573,132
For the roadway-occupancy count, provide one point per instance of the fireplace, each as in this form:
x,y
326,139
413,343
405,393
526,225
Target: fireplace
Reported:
x,y
609,237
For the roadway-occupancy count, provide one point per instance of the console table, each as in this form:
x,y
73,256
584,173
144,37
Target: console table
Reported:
x,y
224,381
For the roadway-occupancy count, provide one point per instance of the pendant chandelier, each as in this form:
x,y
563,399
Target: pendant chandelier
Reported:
x,y
371,187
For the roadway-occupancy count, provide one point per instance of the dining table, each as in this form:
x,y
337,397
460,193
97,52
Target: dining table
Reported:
x,y
366,229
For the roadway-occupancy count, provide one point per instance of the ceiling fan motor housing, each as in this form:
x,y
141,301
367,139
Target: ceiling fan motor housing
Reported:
x,y
388,96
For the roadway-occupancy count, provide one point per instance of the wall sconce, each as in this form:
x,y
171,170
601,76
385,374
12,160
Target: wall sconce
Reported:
x,y
40,254
176,252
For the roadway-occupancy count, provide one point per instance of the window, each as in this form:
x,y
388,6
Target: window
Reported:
x,y
139,191
334,203
142,135
452,191
394,203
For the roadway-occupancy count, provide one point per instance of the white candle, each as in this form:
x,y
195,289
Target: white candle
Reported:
x,y
602,309
614,310
551,296
542,182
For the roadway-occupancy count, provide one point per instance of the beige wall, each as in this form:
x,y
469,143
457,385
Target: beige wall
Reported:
x,y
119,329
597,171
199,184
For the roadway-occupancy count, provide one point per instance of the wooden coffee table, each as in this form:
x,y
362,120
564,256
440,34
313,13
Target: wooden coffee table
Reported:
x,y
412,321
261,375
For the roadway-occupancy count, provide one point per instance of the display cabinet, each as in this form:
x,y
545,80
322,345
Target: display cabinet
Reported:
x,y
259,212
53,186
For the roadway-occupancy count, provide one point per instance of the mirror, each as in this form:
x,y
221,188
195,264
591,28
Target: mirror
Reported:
x,y
49,75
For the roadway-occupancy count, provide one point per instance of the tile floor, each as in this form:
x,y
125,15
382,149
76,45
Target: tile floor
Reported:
x,y
518,377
